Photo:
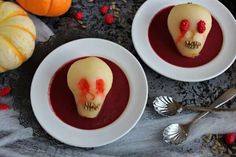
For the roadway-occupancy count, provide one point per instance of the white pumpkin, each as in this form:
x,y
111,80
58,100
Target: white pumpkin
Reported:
x,y
189,25
17,36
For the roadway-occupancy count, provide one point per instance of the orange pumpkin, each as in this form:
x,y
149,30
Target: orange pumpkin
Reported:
x,y
46,7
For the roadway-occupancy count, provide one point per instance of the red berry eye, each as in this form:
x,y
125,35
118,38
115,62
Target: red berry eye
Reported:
x,y
184,25
201,26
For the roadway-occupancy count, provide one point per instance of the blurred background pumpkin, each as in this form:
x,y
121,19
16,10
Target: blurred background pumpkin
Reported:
x,y
48,8
17,36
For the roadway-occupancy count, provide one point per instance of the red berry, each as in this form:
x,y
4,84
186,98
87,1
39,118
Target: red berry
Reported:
x,y
4,107
109,19
230,138
5,91
79,15
104,9
201,26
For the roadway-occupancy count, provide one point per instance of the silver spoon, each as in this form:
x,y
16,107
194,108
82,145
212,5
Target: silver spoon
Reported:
x,y
167,106
177,133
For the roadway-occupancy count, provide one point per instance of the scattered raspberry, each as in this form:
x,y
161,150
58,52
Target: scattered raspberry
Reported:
x,y
5,91
4,107
79,15
109,19
230,138
104,9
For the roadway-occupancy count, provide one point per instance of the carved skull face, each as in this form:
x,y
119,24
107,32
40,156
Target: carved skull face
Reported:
x,y
90,80
189,25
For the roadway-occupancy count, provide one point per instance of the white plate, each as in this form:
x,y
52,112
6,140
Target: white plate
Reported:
x,y
80,48
210,70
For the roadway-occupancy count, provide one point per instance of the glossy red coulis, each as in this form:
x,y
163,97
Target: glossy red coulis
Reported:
x,y
63,103
163,44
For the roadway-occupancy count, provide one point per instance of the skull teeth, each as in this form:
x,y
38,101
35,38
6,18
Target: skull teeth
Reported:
x,y
90,106
193,44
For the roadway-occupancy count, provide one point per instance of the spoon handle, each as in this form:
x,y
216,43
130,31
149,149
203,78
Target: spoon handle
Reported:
x,y
209,109
225,97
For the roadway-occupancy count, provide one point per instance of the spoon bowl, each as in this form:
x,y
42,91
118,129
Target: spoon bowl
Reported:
x,y
166,106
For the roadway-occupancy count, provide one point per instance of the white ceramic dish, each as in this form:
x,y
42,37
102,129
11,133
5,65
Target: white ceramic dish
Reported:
x,y
210,70
80,48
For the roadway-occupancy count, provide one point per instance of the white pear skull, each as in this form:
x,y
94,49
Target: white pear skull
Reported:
x,y
189,25
90,79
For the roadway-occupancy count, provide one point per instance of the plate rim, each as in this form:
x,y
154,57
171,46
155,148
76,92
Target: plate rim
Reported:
x,y
182,70
138,67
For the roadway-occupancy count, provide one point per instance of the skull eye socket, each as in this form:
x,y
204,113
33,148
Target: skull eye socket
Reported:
x,y
83,85
184,25
100,86
201,26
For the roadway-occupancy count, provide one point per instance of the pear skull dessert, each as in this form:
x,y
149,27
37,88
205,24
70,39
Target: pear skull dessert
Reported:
x,y
189,25
89,79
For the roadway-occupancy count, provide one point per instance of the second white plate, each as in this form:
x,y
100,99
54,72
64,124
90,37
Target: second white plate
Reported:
x,y
210,70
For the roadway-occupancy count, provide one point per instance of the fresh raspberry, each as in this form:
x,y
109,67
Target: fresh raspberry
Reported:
x,y
230,138
79,15
201,26
184,25
104,9
109,19
4,107
5,91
